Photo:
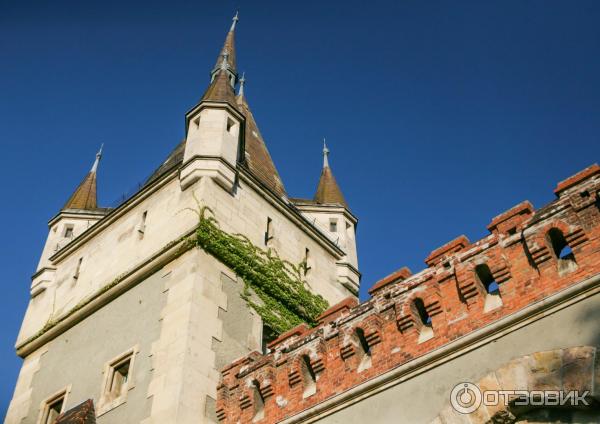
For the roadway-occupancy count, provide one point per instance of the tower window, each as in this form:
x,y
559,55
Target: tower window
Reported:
x,y
53,407
68,231
333,225
230,124
305,263
142,227
118,381
269,231
78,269
268,336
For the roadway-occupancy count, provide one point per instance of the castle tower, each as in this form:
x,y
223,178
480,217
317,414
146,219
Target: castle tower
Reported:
x,y
138,310
79,213
330,212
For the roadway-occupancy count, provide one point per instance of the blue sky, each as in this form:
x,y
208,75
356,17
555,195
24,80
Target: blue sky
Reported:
x,y
439,114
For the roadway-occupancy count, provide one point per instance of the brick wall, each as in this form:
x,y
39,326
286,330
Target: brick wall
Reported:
x,y
465,287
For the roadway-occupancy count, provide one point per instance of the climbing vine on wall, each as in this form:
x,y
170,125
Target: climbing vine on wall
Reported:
x,y
274,288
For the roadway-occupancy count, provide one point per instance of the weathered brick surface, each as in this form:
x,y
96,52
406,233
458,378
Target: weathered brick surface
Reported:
x,y
522,261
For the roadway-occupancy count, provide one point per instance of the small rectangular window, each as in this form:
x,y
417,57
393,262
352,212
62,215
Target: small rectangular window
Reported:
x,y
118,381
52,408
306,261
230,125
333,225
118,377
68,231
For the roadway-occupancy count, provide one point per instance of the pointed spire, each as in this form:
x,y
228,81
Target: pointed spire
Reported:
x,y
235,20
325,155
98,157
84,196
224,76
228,48
328,190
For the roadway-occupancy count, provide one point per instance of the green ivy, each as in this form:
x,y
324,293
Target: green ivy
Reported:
x,y
285,300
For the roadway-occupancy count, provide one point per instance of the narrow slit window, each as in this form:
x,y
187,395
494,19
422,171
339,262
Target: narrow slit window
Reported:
x,y
309,377
258,401
333,227
142,227
426,328
78,269
306,263
363,348
269,231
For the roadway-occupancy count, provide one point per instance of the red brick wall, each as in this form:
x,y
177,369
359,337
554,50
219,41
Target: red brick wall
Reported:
x,y
520,257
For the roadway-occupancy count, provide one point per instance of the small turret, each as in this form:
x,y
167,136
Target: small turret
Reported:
x,y
330,213
79,213
214,127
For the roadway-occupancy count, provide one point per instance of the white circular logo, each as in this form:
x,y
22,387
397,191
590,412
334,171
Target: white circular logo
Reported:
x,y
465,398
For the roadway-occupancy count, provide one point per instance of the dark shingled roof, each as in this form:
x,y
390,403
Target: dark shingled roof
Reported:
x,y
258,159
229,47
82,414
328,190
85,195
220,90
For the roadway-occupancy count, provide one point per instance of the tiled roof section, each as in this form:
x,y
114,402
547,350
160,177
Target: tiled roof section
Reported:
x,y
258,159
328,190
229,48
85,195
220,90
82,414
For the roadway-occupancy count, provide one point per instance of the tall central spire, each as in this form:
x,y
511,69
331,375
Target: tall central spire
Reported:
x,y
224,76
227,55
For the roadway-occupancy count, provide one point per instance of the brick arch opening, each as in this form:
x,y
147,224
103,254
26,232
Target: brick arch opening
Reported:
x,y
564,371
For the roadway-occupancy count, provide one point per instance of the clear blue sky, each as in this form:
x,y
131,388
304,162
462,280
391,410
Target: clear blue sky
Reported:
x,y
439,114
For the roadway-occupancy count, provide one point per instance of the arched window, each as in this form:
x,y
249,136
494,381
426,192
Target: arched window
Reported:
x,y
258,402
486,279
363,348
562,251
426,330
309,377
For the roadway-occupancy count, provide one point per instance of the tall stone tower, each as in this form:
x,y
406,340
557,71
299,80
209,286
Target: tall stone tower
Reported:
x,y
126,311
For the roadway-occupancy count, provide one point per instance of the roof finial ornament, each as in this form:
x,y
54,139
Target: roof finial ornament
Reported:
x,y
235,20
224,64
325,154
98,157
242,83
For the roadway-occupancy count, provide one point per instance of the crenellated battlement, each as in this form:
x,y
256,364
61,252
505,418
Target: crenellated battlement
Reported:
x,y
528,256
